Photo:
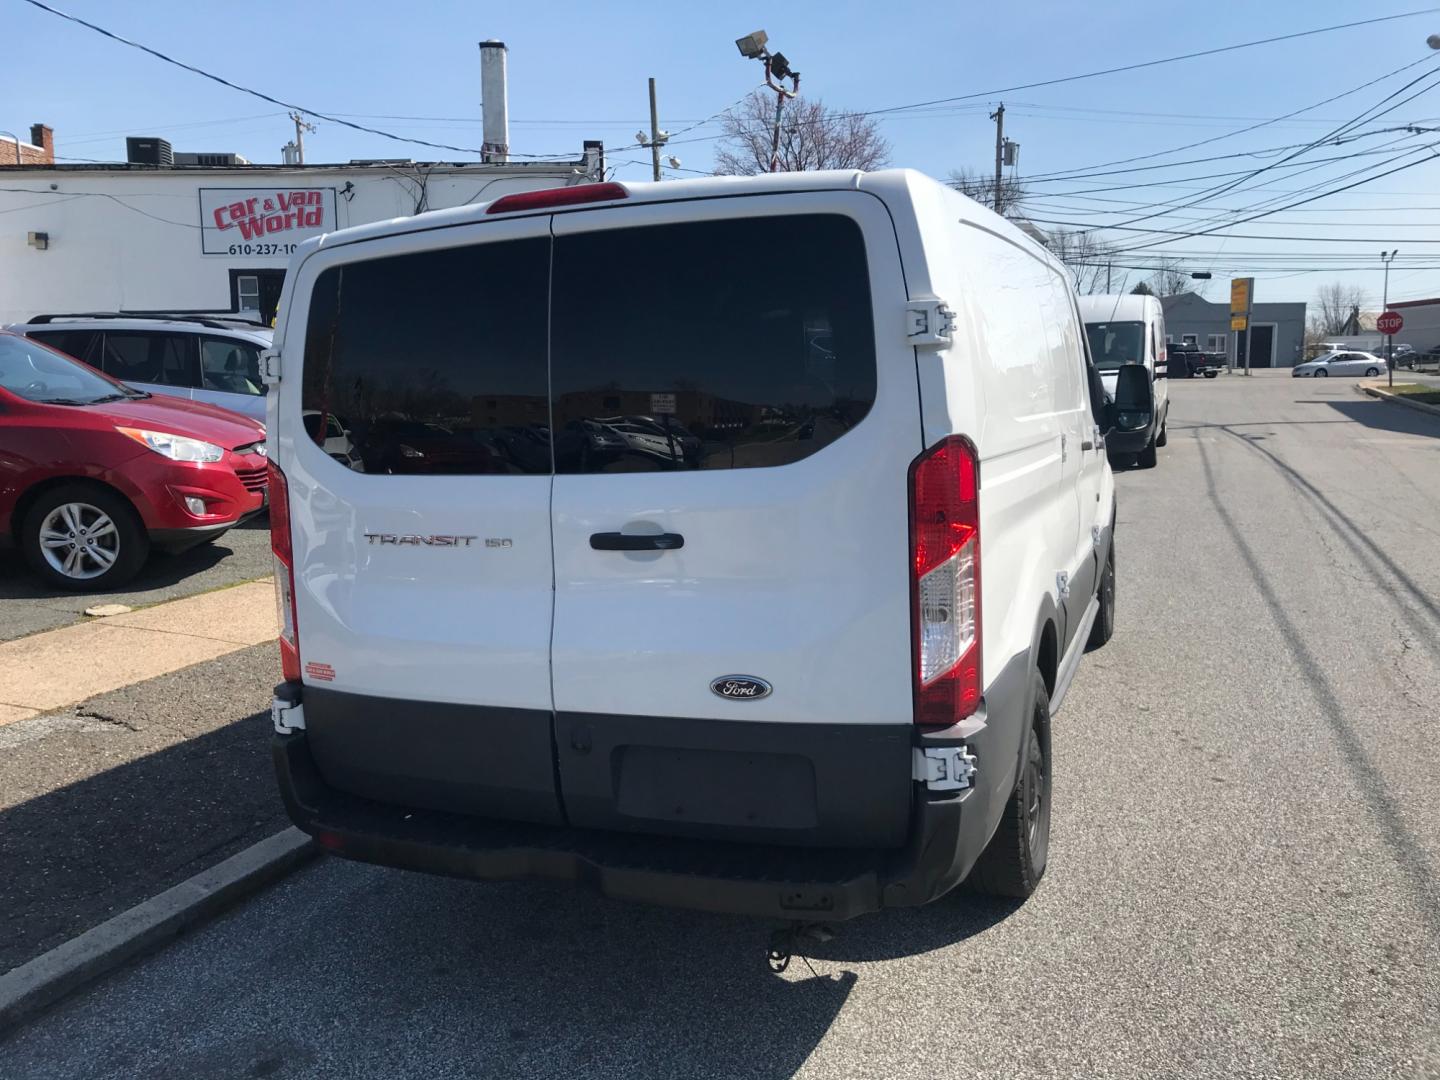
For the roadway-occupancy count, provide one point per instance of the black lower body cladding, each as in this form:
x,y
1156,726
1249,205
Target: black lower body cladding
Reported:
x,y
792,821
803,784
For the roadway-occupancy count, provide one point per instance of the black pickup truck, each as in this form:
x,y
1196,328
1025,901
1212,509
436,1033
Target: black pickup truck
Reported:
x,y
1185,361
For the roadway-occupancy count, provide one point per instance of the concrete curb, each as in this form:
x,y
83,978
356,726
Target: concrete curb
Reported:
x,y
1398,399
66,968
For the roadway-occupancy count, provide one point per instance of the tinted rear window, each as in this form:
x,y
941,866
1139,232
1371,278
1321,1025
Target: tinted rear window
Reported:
x,y
436,360
709,345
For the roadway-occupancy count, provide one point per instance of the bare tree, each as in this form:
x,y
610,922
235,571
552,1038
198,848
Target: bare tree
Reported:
x,y
1336,309
981,188
812,136
1171,280
1088,258
1142,290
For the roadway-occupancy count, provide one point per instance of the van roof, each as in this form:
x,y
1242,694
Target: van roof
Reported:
x,y
892,185
1124,307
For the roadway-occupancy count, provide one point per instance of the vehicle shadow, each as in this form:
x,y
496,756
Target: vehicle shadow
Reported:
x,y
161,571
88,849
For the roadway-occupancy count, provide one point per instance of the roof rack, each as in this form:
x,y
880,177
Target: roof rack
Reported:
x,y
215,322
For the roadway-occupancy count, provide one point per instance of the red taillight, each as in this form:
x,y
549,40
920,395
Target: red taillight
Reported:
x,y
945,581
565,196
284,559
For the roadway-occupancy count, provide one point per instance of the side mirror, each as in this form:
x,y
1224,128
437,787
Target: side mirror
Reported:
x,y
1134,400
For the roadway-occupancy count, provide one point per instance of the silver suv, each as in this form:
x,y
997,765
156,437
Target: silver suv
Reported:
x,y
212,359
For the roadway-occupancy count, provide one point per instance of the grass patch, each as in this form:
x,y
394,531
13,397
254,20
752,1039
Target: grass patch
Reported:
x,y
1428,395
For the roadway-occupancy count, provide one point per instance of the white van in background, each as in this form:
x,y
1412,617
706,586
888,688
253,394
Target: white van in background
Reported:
x,y
793,653
1130,329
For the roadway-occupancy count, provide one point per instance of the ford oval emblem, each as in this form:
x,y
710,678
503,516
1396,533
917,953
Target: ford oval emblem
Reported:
x,y
740,687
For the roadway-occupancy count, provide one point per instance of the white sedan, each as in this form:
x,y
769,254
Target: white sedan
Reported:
x,y
1340,363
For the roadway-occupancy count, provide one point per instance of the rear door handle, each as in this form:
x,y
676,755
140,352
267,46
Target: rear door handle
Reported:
x,y
614,541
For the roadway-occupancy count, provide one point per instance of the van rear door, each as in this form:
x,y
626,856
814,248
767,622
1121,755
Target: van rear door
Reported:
x,y
735,411
423,573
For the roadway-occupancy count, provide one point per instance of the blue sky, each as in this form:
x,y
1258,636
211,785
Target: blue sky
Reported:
x,y
578,71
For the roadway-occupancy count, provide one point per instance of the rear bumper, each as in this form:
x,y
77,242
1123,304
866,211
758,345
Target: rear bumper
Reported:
x,y
766,880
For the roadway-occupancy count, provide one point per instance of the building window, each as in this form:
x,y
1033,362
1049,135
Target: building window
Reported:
x,y
247,289
1217,342
1190,339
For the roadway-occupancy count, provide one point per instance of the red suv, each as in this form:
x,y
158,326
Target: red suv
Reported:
x,y
93,473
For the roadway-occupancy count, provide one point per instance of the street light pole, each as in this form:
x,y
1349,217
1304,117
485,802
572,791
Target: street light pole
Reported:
x,y
753,47
1387,258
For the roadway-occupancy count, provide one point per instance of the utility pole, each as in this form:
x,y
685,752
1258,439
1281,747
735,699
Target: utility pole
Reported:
x,y
999,117
300,128
654,134
1107,276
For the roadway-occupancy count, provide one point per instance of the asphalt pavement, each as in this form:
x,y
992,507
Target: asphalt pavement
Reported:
x,y
1243,875
28,605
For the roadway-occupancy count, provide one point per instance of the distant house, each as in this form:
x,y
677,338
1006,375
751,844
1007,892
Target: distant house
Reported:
x,y
1277,335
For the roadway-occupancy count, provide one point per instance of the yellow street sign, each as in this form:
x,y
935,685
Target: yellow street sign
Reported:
x,y
1240,292
1237,322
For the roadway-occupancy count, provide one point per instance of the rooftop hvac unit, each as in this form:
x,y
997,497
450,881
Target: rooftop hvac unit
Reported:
x,y
141,150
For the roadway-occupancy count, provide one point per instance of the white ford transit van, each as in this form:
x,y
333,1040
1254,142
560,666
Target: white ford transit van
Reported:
x,y
724,543
1130,329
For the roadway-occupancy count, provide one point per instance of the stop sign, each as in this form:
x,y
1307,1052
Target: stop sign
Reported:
x,y
1389,323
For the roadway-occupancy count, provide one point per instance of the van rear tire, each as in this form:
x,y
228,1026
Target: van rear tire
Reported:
x,y
1014,861
1164,436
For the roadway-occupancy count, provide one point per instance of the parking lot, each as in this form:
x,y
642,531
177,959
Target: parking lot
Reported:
x,y
1243,877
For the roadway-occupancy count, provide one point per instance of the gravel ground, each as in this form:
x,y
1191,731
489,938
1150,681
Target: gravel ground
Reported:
x,y
1244,868
27,605
105,804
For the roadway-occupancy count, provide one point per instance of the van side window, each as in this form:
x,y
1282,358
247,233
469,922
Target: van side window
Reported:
x,y
436,359
709,345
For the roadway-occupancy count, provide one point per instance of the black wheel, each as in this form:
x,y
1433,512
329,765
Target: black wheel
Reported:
x,y
1164,436
1372,372
1014,861
1211,374
83,537
1146,458
1321,373
1103,628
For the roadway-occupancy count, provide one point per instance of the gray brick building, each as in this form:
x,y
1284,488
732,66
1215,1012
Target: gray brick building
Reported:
x,y
1277,336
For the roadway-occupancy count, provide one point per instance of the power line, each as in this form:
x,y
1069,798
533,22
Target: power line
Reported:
x,y
289,106
1154,63
1299,202
1089,170
1334,133
993,93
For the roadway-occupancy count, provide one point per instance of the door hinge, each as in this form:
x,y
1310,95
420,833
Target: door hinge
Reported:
x,y
287,716
1064,448
1062,584
929,322
944,768
1095,536
270,367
